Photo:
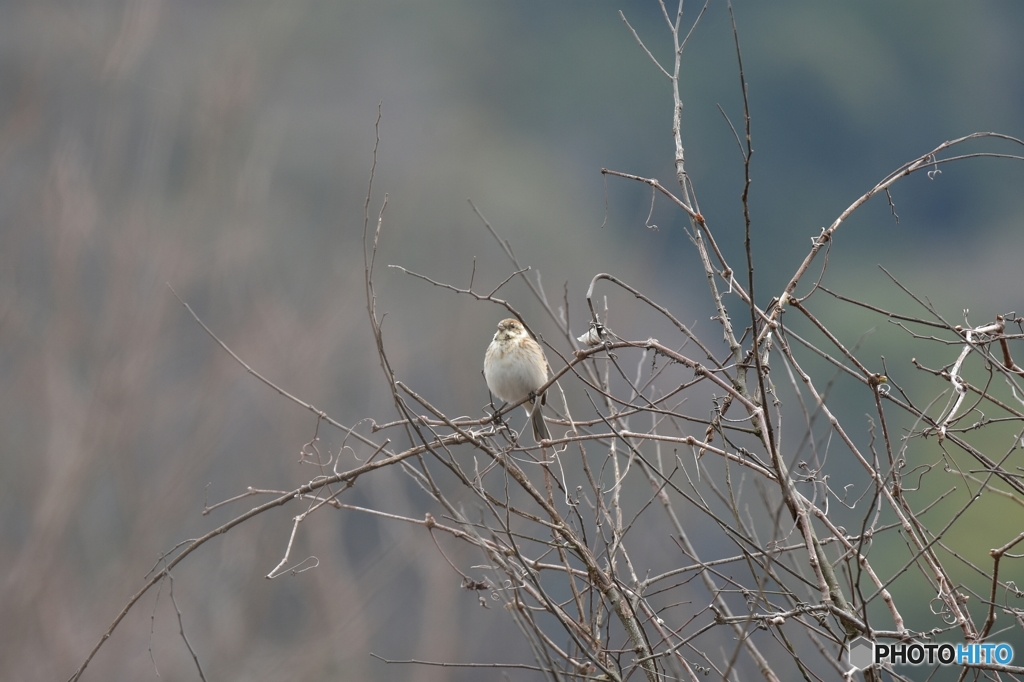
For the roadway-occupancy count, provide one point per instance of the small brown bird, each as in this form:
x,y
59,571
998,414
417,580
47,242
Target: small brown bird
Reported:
x,y
515,367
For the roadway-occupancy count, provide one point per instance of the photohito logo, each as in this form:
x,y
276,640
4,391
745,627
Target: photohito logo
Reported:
x,y
865,653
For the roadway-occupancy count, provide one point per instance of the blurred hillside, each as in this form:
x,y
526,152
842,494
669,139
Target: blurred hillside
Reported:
x,y
225,149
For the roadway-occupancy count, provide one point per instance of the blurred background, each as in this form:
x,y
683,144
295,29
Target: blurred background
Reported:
x,y
224,149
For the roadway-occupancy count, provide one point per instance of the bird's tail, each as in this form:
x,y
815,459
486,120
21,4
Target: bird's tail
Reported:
x,y
540,429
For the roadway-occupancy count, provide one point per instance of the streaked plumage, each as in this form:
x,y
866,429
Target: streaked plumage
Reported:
x,y
515,367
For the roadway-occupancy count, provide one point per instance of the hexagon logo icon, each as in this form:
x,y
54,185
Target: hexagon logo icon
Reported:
x,y
862,653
